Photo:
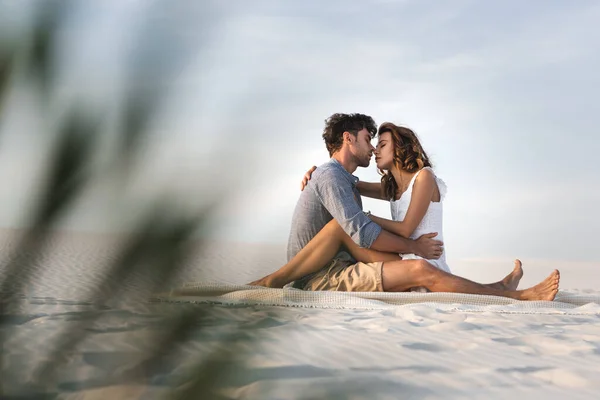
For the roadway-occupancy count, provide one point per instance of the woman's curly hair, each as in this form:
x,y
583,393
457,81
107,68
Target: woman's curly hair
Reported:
x,y
408,155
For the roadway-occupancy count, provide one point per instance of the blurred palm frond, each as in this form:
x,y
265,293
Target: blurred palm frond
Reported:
x,y
158,247
43,45
7,60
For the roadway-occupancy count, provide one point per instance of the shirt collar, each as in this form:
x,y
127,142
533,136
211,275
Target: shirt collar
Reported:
x,y
353,178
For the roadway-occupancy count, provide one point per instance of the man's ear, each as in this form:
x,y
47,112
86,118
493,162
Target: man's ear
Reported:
x,y
347,137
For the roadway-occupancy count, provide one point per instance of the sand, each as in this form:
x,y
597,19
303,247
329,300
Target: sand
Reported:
x,y
377,348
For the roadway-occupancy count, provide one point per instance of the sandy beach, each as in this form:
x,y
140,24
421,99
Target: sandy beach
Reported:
x,y
416,346
193,126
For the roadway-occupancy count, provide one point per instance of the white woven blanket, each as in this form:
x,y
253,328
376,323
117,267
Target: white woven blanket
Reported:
x,y
565,302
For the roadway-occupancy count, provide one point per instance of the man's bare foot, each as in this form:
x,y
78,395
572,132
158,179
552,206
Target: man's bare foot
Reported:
x,y
511,281
268,281
545,290
258,282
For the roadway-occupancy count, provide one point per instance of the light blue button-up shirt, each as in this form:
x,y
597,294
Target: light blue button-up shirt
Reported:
x,y
330,193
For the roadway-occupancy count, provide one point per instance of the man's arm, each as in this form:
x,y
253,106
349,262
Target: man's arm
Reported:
x,y
425,246
338,198
391,243
337,195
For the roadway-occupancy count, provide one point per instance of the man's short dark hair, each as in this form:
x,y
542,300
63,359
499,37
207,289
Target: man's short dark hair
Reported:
x,y
337,124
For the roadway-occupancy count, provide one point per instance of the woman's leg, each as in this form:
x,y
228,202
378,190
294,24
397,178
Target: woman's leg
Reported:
x,y
399,276
318,252
328,242
510,281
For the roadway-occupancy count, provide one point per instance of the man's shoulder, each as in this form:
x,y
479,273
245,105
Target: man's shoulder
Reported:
x,y
327,171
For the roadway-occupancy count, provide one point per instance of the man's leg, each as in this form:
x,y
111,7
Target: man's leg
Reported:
x,y
399,276
317,253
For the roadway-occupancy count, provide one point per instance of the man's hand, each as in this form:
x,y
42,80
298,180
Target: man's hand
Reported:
x,y
429,248
306,177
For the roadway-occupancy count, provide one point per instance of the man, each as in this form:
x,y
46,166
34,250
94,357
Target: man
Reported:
x,y
332,194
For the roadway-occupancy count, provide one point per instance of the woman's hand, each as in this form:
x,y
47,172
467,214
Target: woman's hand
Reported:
x,y
306,177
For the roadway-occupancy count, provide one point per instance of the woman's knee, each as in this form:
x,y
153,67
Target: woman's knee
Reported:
x,y
401,275
404,274
420,266
423,273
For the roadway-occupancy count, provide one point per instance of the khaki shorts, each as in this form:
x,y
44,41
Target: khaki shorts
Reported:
x,y
347,276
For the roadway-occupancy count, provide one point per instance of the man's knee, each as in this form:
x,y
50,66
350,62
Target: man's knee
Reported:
x,y
333,227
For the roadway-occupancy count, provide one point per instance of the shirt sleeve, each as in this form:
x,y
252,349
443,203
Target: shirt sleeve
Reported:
x,y
336,194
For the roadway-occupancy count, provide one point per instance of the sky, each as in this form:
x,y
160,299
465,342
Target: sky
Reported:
x,y
503,96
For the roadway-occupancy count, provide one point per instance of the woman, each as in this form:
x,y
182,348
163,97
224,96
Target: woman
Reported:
x,y
416,196
408,182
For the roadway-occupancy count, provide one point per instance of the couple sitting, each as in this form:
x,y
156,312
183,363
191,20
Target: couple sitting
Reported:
x,y
334,245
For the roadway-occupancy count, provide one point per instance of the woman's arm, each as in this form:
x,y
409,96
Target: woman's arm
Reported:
x,y
370,189
367,189
422,194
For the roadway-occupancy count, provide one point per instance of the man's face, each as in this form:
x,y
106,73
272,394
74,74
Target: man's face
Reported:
x,y
362,149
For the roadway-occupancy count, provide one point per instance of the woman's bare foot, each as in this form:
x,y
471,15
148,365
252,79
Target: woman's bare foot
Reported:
x,y
511,281
268,281
545,290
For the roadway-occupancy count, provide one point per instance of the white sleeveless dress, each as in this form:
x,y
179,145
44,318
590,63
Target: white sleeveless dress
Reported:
x,y
431,222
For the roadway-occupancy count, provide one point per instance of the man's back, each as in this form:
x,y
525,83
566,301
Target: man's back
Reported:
x,y
311,213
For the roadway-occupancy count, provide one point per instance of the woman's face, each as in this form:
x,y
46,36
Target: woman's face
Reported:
x,y
384,152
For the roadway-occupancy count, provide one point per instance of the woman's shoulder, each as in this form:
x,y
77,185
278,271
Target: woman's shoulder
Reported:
x,y
427,175
424,175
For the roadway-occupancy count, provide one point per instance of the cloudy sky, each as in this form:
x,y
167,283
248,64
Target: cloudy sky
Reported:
x,y
504,96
